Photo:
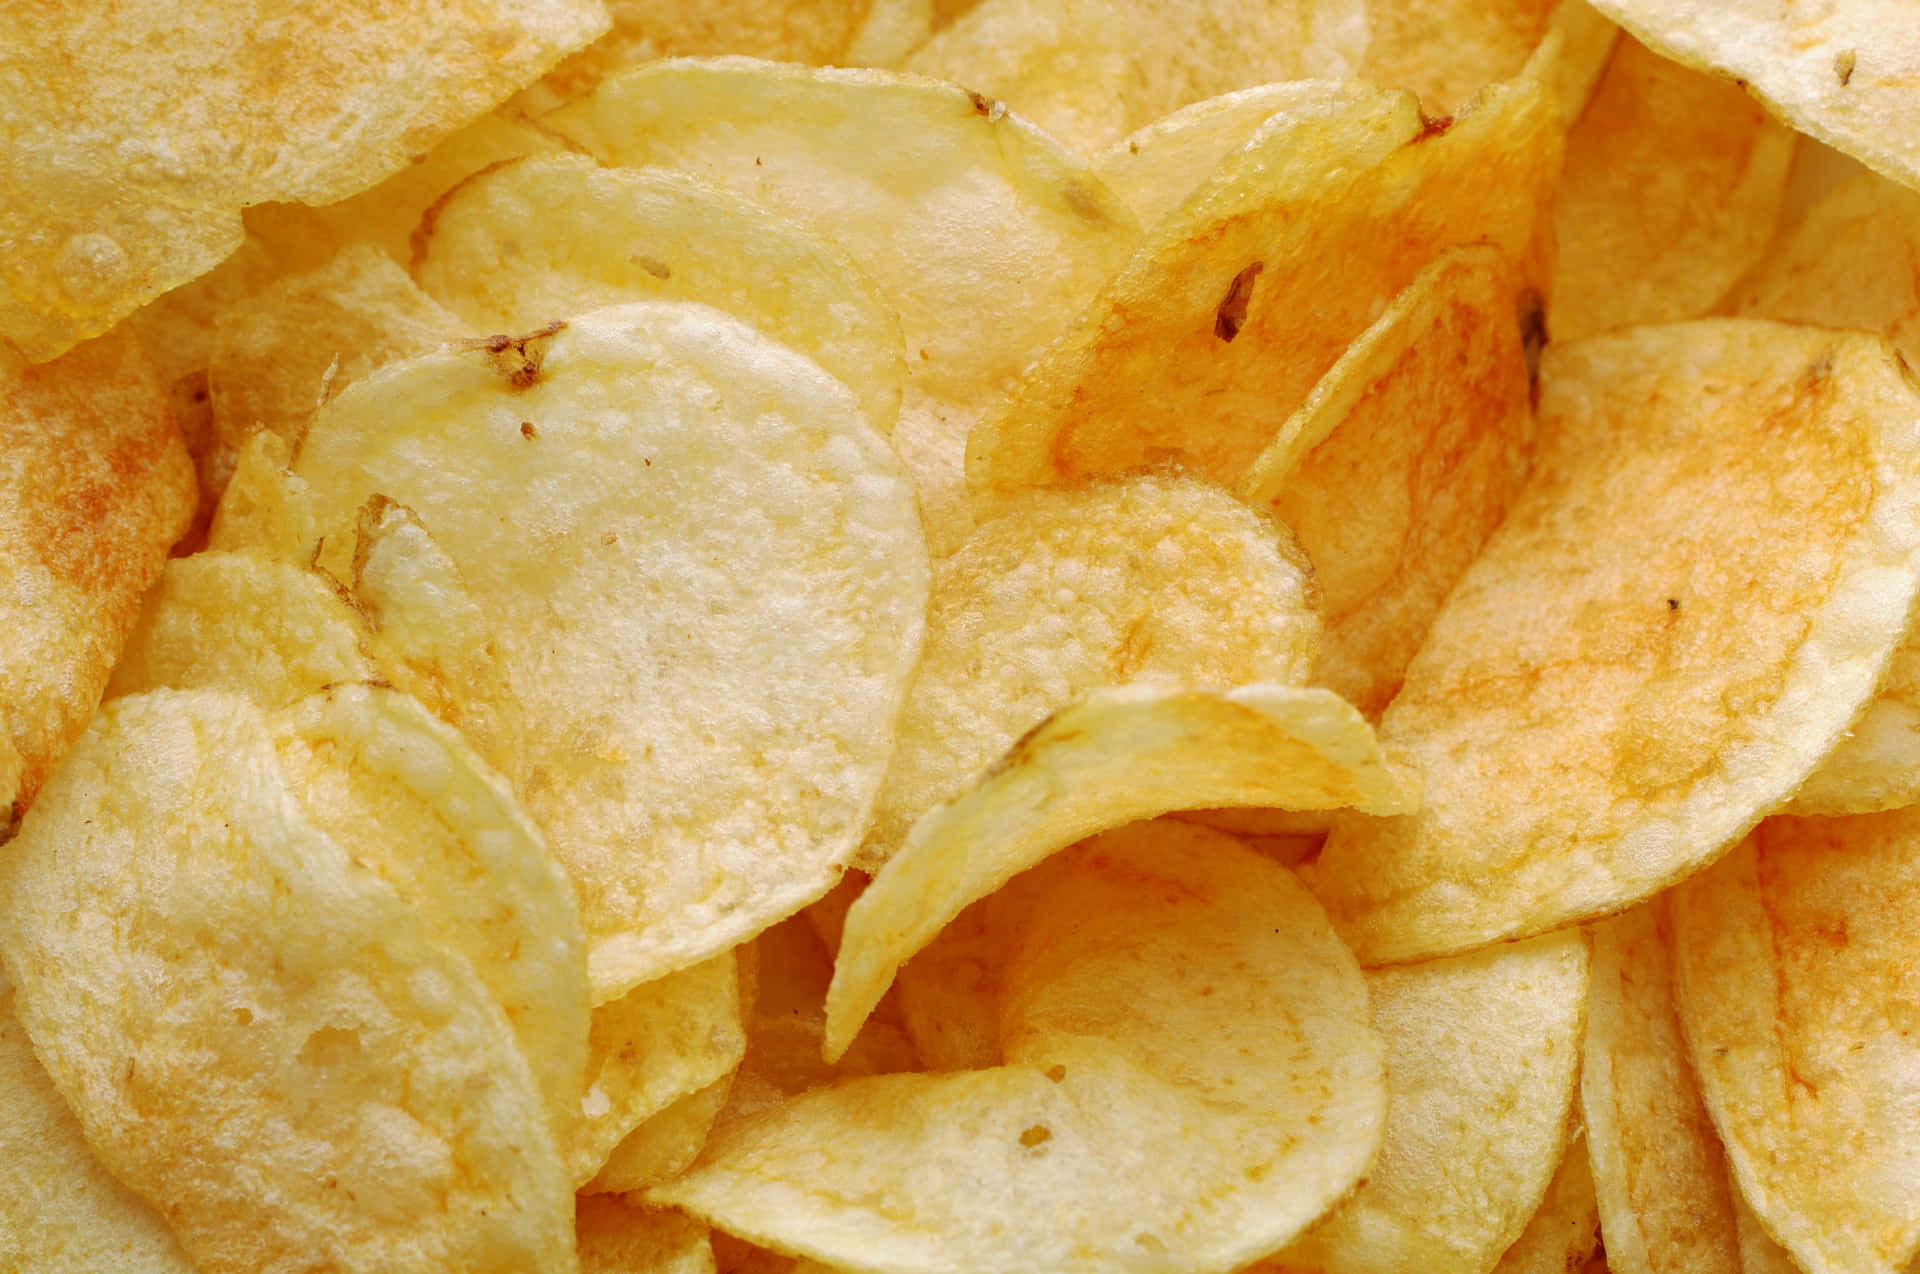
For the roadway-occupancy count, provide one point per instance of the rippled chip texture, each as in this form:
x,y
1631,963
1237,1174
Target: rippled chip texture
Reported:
x,y
1795,962
531,242
1403,460
1843,71
1156,580
1137,1123
707,587
95,486
121,187
259,1035
1699,588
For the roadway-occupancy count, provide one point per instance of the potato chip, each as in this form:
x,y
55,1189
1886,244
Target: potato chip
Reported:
x,y
1156,580
1698,589
95,486
1565,1232
60,1210
1242,299
1759,1254
1839,71
265,509
1403,460
1794,982
1448,50
1674,182
676,528
138,187
531,242
1483,1061
980,230
617,1238
666,1143
1658,1172
257,1034
1114,757
1138,1123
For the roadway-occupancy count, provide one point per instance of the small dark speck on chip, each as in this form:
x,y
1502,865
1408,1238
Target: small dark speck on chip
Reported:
x,y
1232,314
1843,66
527,430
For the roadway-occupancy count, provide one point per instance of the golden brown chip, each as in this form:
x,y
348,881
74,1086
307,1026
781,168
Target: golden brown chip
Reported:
x,y
1795,962
1699,588
1448,50
95,486
618,1238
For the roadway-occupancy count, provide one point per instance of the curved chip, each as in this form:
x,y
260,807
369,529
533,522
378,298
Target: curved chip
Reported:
x,y
1795,965
707,587
1714,558
618,1238
1138,1122
257,1034
548,238
1565,1232
1448,50
1114,757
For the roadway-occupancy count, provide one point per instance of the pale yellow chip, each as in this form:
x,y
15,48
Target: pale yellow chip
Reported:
x,y
1565,1232
257,1034
1795,963
1403,460
1659,1175
95,486
1842,71
674,525
1246,295
618,1238
666,1143
61,1212
552,237
265,509
982,232
1137,1120
1699,588
136,186
1157,580
1759,1254
1673,185
1111,758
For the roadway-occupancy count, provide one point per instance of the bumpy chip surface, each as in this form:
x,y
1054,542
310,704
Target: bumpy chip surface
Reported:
x,y
1699,588
708,589
617,1238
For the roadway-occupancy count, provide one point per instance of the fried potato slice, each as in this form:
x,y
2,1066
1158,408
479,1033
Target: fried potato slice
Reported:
x,y
1699,588
120,188
1155,580
1659,1174
1565,1232
1402,461
618,1238
1116,756
1840,72
1794,972
666,1143
95,486
265,508
257,1034
1137,1121
1673,185
1448,50
61,1212
693,769
548,238
1247,295
981,231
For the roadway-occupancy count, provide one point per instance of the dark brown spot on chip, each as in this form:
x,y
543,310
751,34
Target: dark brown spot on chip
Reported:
x,y
1843,66
1432,126
1037,1135
517,359
1232,314
422,235
527,430
657,268
1530,311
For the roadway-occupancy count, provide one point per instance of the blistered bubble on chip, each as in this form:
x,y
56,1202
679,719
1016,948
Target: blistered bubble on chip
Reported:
x,y
1115,756
1483,1061
61,1212
256,1034
1673,185
619,1238
1138,1120
1092,71
549,238
138,187
655,1045
979,229
1795,967
1244,297
1565,1232
265,508
1714,558
280,353
1841,72
675,526
1156,580
1658,1171
1403,460
247,623
95,486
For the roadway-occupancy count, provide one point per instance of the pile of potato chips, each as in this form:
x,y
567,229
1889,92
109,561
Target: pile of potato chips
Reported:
x,y
912,637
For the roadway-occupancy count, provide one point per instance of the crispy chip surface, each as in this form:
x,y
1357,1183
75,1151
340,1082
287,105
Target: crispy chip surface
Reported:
x,y
618,1238
1565,1232
1699,588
